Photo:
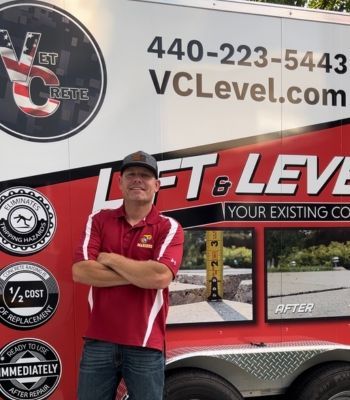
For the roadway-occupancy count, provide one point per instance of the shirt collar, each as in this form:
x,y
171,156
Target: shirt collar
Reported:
x,y
151,218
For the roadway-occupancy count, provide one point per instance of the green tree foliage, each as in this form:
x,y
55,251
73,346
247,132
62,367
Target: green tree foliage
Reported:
x,y
299,250
238,257
331,5
282,242
237,250
194,250
316,257
299,3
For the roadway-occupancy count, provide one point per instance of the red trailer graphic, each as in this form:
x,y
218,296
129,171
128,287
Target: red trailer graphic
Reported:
x,y
245,107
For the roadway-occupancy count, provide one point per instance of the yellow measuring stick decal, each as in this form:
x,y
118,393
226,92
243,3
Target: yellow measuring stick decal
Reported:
x,y
214,263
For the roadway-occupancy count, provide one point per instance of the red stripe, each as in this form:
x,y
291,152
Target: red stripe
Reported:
x,y
16,66
49,77
21,89
35,112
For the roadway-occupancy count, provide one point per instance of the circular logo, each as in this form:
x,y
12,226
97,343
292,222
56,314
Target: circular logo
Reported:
x,y
29,369
28,295
52,77
27,221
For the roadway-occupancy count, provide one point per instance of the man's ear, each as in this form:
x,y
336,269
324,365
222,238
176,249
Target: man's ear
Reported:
x,y
157,185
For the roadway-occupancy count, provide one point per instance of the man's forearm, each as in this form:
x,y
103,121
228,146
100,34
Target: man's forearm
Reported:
x,y
96,274
147,274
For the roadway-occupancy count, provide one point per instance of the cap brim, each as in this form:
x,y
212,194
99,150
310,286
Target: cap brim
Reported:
x,y
140,164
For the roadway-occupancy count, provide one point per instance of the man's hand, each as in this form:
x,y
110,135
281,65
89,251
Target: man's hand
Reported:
x,y
94,273
106,258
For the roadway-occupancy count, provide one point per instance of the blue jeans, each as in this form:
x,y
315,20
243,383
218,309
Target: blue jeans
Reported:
x,y
104,364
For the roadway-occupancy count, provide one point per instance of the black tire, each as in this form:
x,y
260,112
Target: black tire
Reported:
x,y
196,384
328,382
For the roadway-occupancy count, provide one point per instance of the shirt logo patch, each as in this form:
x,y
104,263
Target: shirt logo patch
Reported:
x,y
145,241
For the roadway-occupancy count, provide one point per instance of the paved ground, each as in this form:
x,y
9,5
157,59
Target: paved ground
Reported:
x,y
295,295
210,312
287,283
326,294
204,311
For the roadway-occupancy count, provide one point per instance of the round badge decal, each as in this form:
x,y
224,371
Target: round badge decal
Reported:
x,y
27,221
53,75
28,295
29,369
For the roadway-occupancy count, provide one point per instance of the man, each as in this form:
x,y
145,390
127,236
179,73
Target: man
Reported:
x,y
128,256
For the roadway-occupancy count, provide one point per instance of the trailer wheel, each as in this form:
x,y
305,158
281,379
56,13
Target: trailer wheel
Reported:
x,y
196,384
329,382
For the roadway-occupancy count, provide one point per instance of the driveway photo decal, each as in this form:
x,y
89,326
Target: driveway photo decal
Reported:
x,y
307,273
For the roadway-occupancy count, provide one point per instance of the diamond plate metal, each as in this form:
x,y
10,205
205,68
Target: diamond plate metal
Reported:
x,y
270,366
264,361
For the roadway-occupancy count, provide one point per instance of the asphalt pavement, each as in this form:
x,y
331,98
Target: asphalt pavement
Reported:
x,y
308,294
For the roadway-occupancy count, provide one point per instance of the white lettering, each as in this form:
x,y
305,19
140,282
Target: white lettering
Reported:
x,y
301,308
284,170
196,165
315,183
245,185
342,186
281,172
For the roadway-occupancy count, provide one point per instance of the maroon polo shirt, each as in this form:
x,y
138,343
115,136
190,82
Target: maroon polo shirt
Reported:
x,y
128,314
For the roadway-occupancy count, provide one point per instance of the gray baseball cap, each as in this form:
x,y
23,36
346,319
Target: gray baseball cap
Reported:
x,y
140,159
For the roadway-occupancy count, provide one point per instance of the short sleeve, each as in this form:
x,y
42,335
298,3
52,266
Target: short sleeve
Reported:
x,y
170,245
90,242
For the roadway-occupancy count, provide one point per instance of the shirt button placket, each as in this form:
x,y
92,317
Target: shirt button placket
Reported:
x,y
127,240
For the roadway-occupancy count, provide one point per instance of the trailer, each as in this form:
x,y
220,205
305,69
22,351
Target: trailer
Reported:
x,y
245,106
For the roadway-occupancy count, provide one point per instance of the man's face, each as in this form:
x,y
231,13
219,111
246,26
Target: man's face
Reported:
x,y
138,184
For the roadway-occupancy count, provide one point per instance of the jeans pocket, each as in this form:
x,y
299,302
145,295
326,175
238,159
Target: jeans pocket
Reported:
x,y
143,360
97,354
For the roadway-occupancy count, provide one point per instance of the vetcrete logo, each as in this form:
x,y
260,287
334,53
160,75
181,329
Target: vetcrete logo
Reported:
x,y
52,73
